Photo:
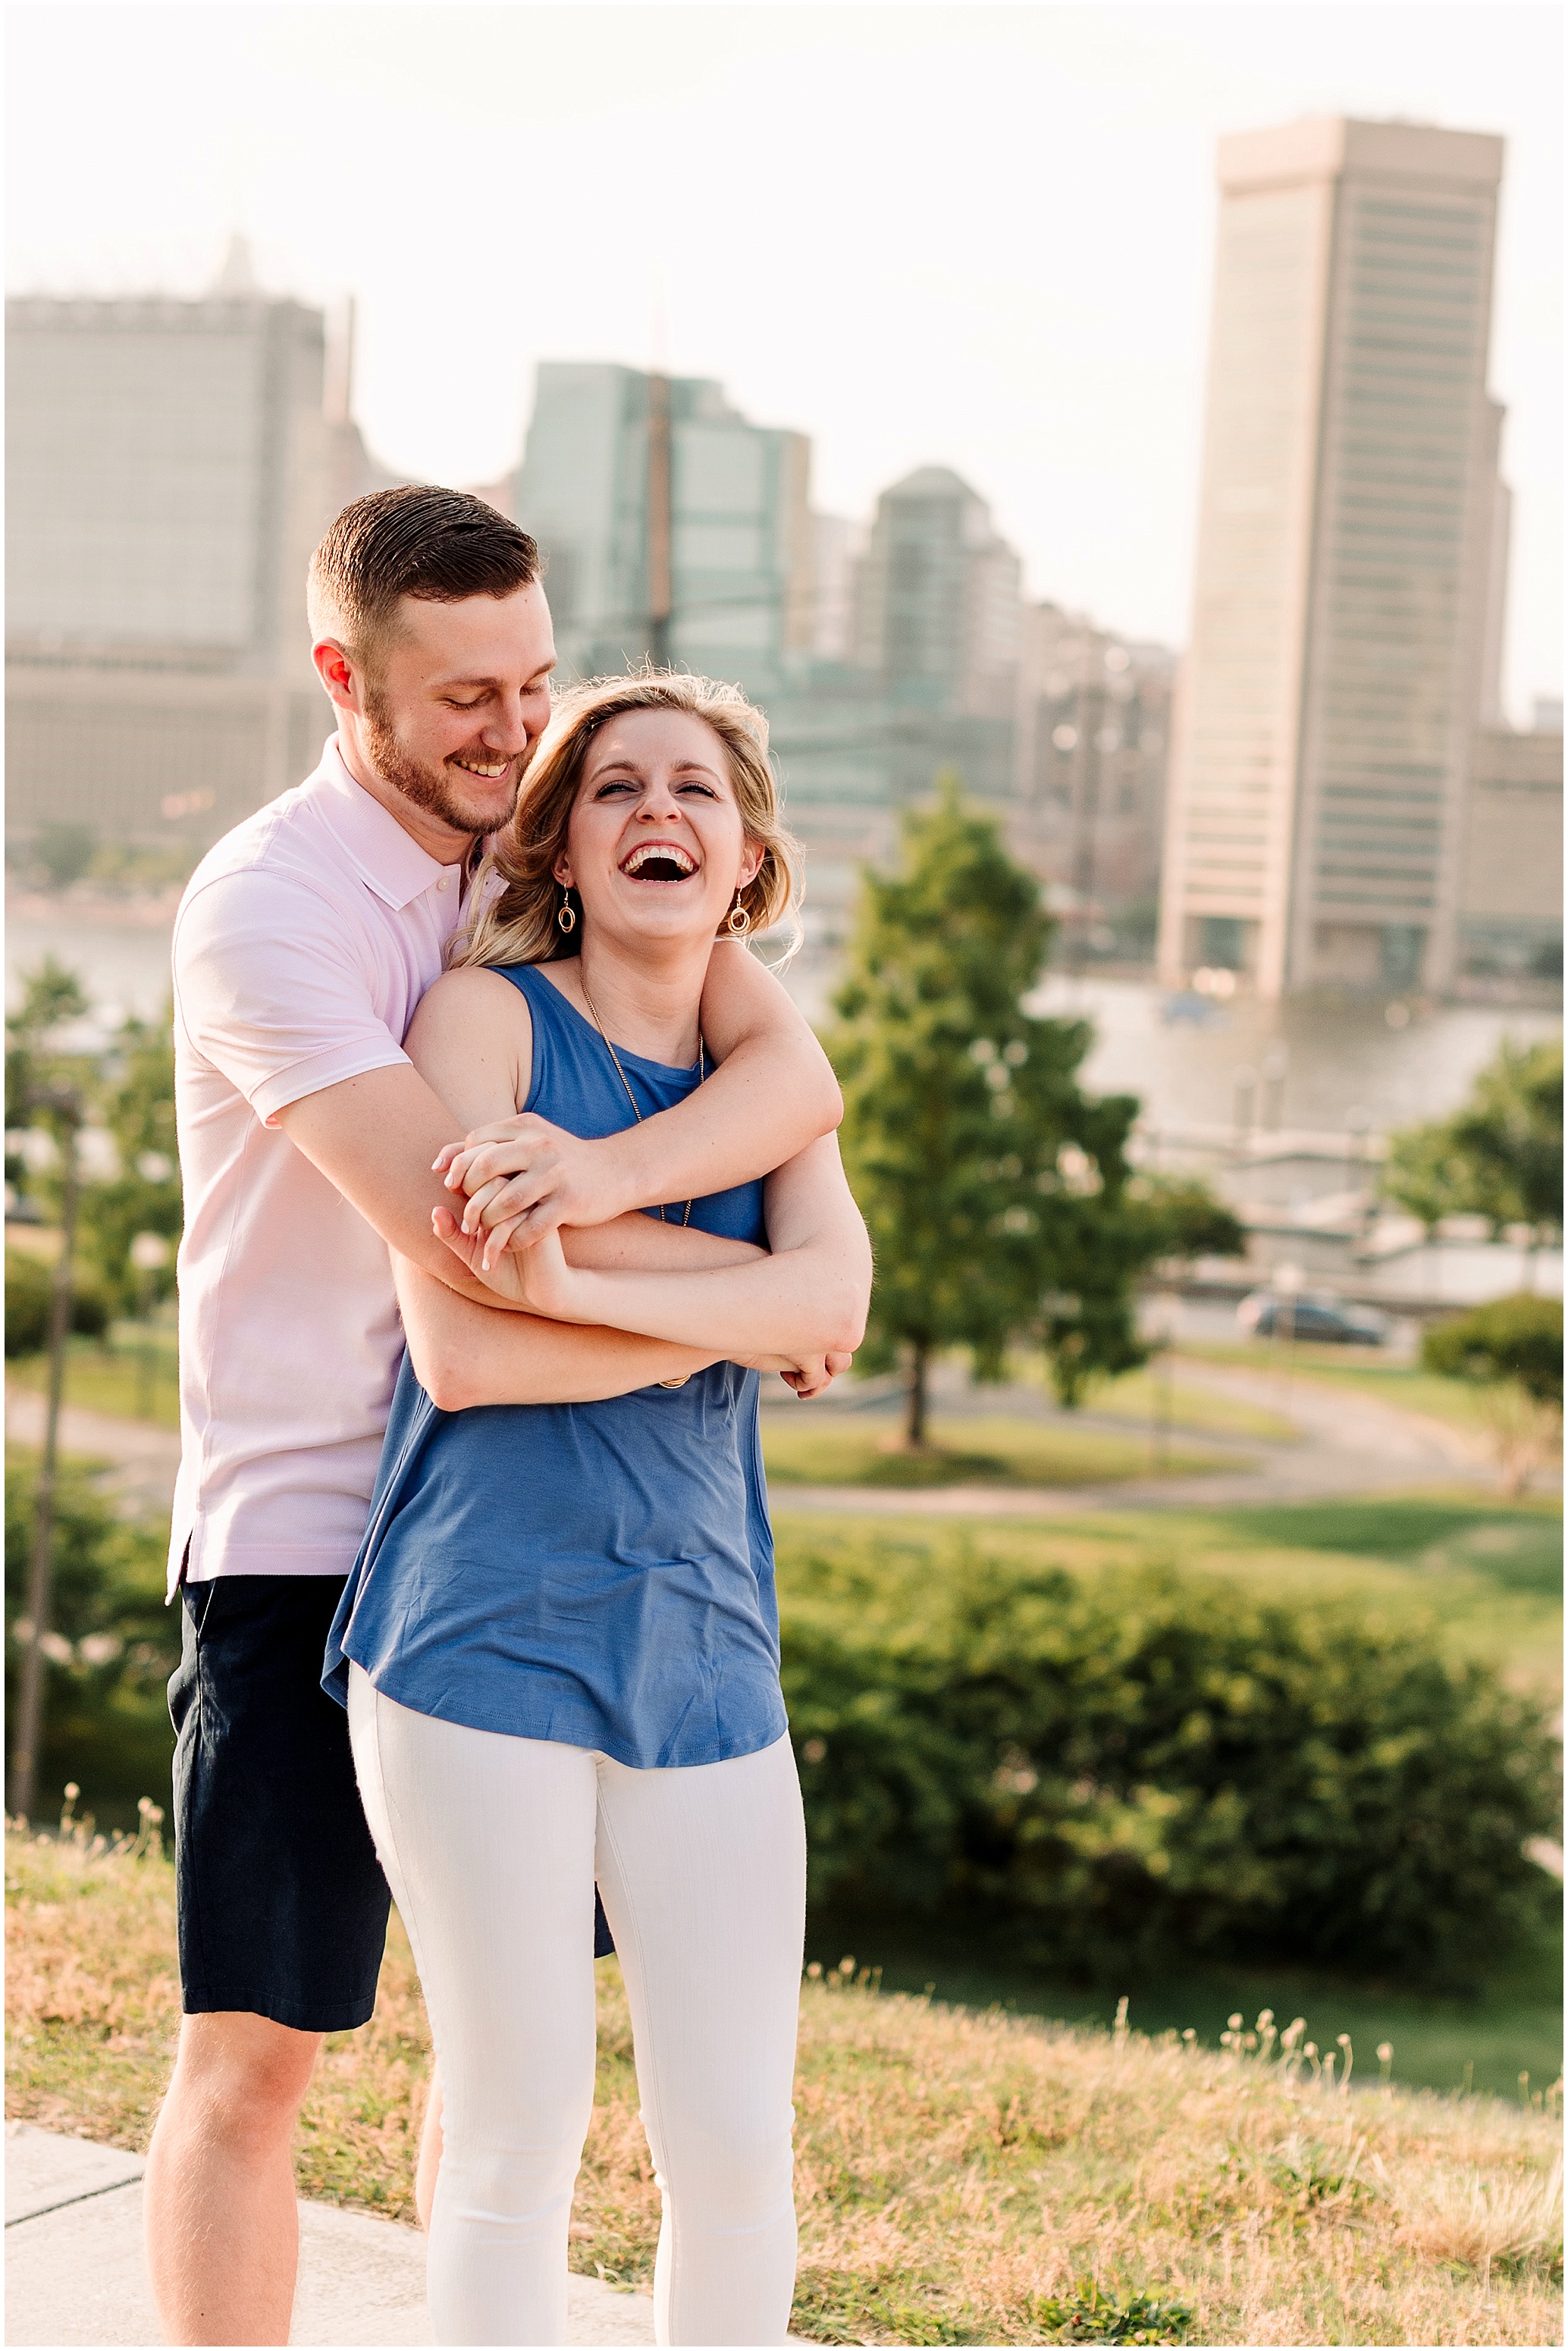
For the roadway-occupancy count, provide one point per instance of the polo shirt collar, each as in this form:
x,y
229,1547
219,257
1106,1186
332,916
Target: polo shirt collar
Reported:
x,y
386,859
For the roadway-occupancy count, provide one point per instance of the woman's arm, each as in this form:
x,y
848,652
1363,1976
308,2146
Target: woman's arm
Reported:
x,y
806,1299
772,1094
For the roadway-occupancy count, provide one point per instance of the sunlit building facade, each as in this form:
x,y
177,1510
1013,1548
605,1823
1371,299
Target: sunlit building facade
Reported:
x,y
1511,890
672,528
1093,749
171,466
1347,613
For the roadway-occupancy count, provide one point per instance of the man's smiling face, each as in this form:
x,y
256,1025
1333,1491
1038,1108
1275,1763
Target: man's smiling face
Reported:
x,y
457,698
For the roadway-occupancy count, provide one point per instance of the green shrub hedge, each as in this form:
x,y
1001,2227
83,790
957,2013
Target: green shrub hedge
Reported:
x,y
1518,1338
1143,1760
106,1714
29,1287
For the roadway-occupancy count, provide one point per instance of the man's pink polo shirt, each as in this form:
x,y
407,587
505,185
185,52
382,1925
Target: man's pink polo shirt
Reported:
x,y
302,948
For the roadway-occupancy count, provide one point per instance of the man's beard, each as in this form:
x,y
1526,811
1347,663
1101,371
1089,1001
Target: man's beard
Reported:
x,y
431,789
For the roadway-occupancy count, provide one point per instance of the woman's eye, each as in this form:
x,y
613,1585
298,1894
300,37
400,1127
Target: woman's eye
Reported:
x,y
706,790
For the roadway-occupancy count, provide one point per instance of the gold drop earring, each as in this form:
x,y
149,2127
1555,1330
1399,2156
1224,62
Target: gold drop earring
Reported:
x,y
738,921
566,913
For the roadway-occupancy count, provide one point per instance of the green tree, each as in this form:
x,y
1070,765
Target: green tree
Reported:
x,y
138,1109
994,1187
129,1092
1499,1157
50,995
1177,1216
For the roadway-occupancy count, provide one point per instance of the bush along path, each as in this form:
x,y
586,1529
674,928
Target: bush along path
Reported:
x,y
961,2179
1138,1763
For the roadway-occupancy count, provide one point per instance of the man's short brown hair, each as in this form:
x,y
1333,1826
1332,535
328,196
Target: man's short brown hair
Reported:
x,y
437,545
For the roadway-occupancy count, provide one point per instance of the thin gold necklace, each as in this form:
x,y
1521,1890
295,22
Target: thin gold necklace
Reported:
x,y
702,1074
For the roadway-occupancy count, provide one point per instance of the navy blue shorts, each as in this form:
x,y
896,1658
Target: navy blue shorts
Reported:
x,y
281,1902
282,1905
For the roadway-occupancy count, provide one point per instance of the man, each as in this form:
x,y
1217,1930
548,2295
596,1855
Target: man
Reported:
x,y
301,949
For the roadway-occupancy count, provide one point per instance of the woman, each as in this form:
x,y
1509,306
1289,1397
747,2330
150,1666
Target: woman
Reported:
x,y
559,1646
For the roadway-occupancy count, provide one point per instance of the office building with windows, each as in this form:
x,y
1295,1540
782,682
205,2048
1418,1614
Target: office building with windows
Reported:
x,y
1094,735
1510,889
929,684
672,529
171,464
1350,543
675,530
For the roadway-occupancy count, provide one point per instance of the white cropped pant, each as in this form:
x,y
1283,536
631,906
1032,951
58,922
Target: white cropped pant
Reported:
x,y
491,1845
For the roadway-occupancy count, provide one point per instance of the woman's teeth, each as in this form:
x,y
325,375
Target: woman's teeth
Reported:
x,y
658,861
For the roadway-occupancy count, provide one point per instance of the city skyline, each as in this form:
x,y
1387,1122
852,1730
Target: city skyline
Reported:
x,y
972,309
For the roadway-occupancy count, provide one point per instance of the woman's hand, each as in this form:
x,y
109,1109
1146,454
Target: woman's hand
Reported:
x,y
813,1378
537,1279
809,1377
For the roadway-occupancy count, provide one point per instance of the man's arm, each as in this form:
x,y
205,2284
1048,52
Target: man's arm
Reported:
x,y
375,1136
466,1355
772,1094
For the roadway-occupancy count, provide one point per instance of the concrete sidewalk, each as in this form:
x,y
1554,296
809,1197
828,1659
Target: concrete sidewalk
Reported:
x,y
74,2271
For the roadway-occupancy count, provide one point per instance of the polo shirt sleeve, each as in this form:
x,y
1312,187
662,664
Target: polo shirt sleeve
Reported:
x,y
271,988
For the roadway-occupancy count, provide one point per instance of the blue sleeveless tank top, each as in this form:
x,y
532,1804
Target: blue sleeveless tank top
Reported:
x,y
601,1574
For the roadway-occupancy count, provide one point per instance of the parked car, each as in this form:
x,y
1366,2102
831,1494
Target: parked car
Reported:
x,y
1327,1322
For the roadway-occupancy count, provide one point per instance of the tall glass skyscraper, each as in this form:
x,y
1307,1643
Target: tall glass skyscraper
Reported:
x,y
1345,610
672,528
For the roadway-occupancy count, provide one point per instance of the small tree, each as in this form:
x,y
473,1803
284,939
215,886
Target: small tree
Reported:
x,y
994,1189
1512,1350
138,1110
129,1090
50,995
1499,1157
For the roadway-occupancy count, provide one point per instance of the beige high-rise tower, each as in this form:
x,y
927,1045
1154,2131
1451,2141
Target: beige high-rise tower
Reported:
x,y
1345,613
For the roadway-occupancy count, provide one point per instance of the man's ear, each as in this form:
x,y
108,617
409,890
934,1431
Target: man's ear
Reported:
x,y
336,671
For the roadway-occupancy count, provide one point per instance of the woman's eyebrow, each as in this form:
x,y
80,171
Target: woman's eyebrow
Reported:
x,y
628,767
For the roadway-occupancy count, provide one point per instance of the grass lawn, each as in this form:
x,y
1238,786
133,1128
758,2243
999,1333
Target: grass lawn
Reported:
x,y
137,1379
825,1449
1513,2025
961,2178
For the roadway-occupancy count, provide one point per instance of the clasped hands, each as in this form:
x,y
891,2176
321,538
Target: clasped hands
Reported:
x,y
520,1180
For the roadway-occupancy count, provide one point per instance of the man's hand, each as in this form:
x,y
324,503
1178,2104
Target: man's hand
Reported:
x,y
524,1177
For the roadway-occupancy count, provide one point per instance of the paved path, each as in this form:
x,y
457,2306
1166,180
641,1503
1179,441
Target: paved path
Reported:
x,y
74,2269
145,1459
1346,1443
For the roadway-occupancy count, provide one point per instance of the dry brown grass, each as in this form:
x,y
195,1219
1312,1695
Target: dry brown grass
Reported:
x,y
963,2179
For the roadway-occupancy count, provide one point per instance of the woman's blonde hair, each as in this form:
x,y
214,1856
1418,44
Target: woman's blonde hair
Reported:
x,y
515,895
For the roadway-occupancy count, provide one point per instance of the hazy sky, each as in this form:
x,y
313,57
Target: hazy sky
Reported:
x,y
977,235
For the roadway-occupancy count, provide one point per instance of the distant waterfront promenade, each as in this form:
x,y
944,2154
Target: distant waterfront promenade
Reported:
x,y
1343,1063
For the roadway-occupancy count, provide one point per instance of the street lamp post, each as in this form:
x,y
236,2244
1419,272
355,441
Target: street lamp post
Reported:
x,y
1289,1280
67,1109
